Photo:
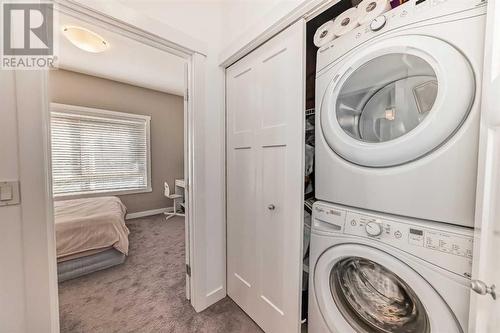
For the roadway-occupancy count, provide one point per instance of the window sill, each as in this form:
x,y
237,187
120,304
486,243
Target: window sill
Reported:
x,y
94,194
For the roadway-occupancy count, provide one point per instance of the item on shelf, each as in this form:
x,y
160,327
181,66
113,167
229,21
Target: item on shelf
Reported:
x,y
307,235
309,169
368,10
346,22
396,3
324,34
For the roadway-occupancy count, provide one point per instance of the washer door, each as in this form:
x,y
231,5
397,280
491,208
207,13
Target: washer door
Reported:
x,y
364,290
397,100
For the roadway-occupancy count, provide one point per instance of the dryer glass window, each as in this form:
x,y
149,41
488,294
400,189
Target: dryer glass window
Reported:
x,y
387,97
375,300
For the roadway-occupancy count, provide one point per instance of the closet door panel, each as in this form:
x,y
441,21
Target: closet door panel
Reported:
x,y
280,133
241,191
272,241
265,133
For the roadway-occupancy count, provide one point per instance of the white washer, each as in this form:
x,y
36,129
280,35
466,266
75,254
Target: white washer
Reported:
x,y
379,273
399,111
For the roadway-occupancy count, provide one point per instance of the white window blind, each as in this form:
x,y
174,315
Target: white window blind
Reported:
x,y
96,151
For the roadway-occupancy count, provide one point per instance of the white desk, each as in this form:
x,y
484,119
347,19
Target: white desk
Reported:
x,y
180,188
178,198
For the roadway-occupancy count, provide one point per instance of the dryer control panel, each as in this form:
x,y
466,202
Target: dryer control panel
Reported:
x,y
447,246
412,14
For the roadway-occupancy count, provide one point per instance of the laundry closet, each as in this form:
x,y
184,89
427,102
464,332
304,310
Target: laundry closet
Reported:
x,y
270,123
271,142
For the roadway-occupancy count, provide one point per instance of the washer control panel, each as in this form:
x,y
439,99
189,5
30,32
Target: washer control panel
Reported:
x,y
400,234
447,246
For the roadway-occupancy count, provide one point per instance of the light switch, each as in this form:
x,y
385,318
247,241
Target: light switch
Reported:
x,y
9,193
6,192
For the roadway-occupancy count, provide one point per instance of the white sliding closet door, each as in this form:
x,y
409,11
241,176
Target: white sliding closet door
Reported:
x,y
265,113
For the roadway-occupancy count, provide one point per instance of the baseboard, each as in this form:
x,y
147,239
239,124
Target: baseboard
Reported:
x,y
146,213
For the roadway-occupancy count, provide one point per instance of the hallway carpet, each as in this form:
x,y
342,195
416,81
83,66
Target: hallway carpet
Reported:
x,y
147,293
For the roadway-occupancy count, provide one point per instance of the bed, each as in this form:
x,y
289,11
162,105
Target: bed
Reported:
x,y
91,235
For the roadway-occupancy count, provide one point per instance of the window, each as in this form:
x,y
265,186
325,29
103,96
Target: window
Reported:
x,y
99,151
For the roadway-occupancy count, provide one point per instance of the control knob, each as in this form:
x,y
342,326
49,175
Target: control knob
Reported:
x,y
373,229
378,23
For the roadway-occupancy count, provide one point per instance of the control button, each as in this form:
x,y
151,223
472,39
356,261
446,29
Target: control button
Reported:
x,y
358,35
354,223
378,23
404,13
398,234
373,229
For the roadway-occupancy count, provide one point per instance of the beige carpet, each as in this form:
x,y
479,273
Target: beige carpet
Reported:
x,y
146,293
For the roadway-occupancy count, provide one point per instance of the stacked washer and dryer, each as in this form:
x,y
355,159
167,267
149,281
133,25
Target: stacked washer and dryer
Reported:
x,y
398,112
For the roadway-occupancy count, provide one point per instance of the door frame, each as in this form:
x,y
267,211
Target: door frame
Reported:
x,y
33,111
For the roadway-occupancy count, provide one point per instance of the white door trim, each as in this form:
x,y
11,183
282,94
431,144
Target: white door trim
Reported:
x,y
40,267
42,312
307,10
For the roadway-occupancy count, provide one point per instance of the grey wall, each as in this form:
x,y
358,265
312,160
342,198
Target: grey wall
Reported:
x,y
167,127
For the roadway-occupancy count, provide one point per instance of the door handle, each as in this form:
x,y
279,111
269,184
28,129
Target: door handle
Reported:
x,y
271,207
482,288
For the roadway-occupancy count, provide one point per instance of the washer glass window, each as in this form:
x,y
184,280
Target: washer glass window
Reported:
x,y
375,300
387,97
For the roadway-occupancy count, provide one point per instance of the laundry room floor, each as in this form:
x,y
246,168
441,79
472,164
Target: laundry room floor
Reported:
x,y
146,293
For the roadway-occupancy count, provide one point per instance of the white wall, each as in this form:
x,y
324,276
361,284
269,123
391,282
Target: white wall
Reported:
x,y
202,20
243,20
12,296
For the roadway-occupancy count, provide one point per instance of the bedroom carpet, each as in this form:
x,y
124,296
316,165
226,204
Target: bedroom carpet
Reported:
x,y
146,293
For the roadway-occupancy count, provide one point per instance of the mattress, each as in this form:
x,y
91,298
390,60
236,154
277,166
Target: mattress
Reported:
x,y
82,254
90,224
74,268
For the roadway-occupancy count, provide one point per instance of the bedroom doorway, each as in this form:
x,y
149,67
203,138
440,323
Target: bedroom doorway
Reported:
x,y
119,168
36,170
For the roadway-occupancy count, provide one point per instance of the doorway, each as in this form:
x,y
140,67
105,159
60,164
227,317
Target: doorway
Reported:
x,y
117,147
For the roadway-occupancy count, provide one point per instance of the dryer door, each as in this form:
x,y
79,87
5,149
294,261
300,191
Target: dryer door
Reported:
x,y
397,100
364,290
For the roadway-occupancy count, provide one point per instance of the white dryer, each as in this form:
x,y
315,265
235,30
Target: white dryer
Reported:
x,y
379,273
399,111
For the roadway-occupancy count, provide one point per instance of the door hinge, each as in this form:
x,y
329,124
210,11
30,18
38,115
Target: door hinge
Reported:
x,y
188,270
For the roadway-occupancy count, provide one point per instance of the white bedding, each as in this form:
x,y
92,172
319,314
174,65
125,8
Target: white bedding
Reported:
x,y
89,225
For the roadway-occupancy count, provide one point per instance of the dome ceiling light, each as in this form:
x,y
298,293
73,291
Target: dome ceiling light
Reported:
x,y
85,39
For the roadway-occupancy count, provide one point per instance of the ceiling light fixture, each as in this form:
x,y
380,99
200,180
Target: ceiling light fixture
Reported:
x,y
85,39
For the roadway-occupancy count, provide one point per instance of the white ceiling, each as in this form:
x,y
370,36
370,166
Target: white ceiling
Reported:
x,y
126,60
216,22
